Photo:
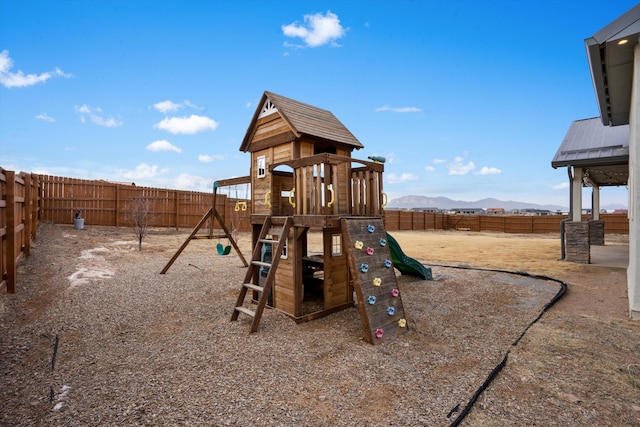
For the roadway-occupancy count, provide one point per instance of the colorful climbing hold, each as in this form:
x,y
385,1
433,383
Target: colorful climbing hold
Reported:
x,y
383,242
391,311
388,263
364,268
402,323
379,332
369,251
377,281
371,228
358,244
395,292
371,299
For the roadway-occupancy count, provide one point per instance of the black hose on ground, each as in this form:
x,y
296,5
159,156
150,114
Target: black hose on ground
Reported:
x,y
494,373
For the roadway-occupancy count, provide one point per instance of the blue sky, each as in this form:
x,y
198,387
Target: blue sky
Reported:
x,y
465,99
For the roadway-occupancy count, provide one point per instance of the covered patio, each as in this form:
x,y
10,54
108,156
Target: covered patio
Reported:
x,y
595,156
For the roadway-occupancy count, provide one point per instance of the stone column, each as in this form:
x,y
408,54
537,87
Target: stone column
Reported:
x,y
596,232
577,242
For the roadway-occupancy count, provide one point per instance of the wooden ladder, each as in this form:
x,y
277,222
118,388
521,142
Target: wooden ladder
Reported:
x,y
274,226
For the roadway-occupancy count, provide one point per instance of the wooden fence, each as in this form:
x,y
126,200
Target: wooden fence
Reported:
x,y
110,204
418,220
26,198
18,222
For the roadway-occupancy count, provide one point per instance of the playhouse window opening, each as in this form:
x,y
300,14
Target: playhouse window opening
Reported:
x,y
261,166
319,149
336,244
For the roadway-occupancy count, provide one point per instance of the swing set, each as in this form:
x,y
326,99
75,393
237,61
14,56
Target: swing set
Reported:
x,y
240,206
213,216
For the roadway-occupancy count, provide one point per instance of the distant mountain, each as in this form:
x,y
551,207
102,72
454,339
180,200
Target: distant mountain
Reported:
x,y
410,202
444,203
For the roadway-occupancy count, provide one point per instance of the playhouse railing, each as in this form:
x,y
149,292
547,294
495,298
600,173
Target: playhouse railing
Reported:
x,y
327,184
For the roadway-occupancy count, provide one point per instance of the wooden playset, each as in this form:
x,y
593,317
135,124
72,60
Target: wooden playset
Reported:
x,y
303,178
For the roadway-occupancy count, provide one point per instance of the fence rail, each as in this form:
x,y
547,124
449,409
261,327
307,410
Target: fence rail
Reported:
x,y
417,220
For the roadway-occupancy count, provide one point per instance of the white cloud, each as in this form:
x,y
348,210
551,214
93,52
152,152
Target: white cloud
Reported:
x,y
399,109
96,116
84,109
562,186
143,171
488,171
393,178
458,167
45,117
163,145
187,125
166,106
193,182
439,161
19,79
318,29
390,157
170,106
429,168
190,104
206,158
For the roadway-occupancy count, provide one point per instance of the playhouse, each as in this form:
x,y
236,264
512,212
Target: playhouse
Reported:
x,y
305,183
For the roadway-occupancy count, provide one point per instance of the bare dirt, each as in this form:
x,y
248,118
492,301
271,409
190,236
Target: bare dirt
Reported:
x,y
95,336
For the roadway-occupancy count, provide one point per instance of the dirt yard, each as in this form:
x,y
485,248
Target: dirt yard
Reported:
x,y
95,336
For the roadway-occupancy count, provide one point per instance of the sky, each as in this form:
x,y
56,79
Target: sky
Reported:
x,y
464,99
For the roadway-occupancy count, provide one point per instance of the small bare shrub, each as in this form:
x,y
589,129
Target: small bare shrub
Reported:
x,y
141,217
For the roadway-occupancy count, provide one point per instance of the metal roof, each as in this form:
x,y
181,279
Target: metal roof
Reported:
x,y
603,151
611,64
305,119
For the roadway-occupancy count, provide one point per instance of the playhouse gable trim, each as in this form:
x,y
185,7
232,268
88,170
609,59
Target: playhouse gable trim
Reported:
x,y
301,119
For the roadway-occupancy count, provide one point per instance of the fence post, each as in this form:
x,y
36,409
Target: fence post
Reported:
x,y
35,204
117,213
11,231
27,213
177,217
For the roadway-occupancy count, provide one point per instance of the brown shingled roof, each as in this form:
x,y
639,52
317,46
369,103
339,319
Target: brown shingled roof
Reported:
x,y
304,119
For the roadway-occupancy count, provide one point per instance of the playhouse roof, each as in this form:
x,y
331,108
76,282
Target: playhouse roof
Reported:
x,y
603,151
302,119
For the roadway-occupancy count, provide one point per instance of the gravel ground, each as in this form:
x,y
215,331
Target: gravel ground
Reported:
x,y
96,336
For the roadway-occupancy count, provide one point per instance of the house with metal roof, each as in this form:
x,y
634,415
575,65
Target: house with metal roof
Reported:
x,y
595,154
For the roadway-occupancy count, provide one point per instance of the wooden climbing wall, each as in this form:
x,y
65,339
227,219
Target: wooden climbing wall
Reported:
x,y
374,279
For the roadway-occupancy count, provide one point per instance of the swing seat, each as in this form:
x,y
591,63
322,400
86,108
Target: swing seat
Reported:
x,y
223,250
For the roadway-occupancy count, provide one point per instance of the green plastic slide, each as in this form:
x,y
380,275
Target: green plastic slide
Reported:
x,y
405,264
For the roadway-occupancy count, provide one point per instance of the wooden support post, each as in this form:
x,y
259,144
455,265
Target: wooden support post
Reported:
x,y
186,242
177,209
11,231
27,213
117,213
35,205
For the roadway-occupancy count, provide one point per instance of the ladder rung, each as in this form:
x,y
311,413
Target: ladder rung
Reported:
x,y
254,287
271,241
246,311
261,264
